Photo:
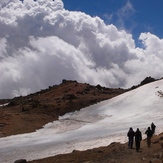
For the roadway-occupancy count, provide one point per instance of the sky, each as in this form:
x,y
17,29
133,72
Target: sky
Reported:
x,y
91,127
112,44
134,17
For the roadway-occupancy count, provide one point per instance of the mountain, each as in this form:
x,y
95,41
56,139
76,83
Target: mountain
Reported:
x,y
94,126
31,112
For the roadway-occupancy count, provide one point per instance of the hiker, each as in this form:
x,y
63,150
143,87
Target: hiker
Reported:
x,y
153,127
130,135
149,134
138,138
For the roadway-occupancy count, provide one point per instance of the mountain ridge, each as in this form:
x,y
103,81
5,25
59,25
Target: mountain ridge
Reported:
x,y
47,105
30,111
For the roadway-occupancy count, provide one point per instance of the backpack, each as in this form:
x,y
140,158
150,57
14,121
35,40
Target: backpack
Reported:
x,y
149,133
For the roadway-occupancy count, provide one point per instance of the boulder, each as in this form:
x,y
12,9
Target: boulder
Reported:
x,y
21,161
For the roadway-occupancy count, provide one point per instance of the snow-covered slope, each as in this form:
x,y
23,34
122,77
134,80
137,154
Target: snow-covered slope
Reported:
x,y
94,126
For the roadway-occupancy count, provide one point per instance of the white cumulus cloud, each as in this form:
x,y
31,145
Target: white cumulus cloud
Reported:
x,y
42,43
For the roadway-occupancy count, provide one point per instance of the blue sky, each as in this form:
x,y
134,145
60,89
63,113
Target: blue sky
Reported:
x,y
135,16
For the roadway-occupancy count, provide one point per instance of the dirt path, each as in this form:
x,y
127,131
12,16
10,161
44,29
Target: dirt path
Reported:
x,y
114,153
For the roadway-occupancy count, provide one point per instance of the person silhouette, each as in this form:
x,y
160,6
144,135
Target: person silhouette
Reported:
x,y
153,127
149,134
130,135
138,138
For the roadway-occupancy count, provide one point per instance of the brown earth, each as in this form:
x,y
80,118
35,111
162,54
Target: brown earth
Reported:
x,y
25,114
113,153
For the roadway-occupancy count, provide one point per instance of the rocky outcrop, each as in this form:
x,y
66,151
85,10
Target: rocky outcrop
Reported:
x,y
21,161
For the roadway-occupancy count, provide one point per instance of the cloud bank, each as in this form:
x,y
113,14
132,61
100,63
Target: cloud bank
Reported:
x,y
42,43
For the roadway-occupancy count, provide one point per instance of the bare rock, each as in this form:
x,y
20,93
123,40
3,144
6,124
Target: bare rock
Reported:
x,y
160,155
100,151
112,161
155,161
161,145
21,161
75,151
156,141
161,138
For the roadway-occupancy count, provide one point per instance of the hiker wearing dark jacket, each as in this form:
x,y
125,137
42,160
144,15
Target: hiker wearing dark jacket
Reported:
x,y
138,138
153,127
149,134
130,135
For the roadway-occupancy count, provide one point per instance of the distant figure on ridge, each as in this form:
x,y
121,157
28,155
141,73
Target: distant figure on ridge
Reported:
x,y
153,127
138,138
130,135
149,134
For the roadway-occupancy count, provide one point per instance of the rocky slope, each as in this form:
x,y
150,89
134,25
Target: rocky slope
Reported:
x,y
27,113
